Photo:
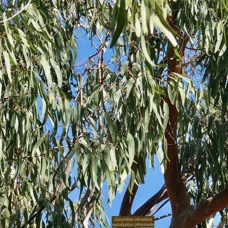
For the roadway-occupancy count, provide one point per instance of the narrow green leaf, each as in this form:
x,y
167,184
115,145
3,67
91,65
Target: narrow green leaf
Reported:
x,y
163,20
30,189
164,29
144,18
117,95
121,20
131,149
112,128
57,71
13,57
94,171
123,178
38,143
67,109
85,164
10,38
23,37
166,115
160,155
7,64
171,93
137,26
18,168
154,108
6,217
145,52
43,167
129,86
219,36
46,68
182,92
132,181
151,24
111,159
1,149
146,119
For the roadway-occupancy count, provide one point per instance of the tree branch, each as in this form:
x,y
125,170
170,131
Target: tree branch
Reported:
x,y
22,9
176,189
82,204
129,197
155,199
86,220
164,216
62,182
209,207
163,204
128,200
33,216
55,196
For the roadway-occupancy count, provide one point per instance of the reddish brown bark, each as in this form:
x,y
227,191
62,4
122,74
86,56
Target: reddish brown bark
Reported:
x,y
154,200
209,207
173,179
128,199
129,196
184,214
192,216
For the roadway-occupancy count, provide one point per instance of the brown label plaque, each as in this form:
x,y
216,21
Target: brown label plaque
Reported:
x,y
133,221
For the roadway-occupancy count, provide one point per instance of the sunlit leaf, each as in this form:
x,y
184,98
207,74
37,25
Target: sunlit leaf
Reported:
x,y
131,148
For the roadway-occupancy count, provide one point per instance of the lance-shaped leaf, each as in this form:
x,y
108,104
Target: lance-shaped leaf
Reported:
x,y
121,21
131,149
7,65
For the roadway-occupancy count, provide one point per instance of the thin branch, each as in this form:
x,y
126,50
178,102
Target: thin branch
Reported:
x,y
66,173
160,207
38,212
154,200
164,216
86,220
82,204
22,9
55,196
57,171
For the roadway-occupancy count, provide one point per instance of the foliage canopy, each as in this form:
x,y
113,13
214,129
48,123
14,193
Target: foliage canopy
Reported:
x,y
64,128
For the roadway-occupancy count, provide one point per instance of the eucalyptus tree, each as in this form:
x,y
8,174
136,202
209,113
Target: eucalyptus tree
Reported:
x,y
66,128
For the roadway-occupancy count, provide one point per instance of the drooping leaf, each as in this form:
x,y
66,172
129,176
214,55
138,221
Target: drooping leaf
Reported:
x,y
121,21
131,149
7,64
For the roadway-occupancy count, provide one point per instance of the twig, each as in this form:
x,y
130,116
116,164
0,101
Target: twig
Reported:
x,y
154,200
37,213
86,220
8,19
55,196
164,216
82,204
66,173
160,207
